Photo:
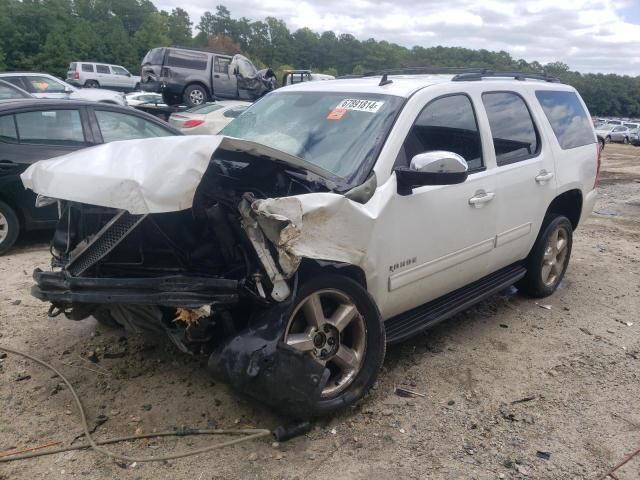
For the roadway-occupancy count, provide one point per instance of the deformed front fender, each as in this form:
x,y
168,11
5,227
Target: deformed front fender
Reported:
x,y
257,363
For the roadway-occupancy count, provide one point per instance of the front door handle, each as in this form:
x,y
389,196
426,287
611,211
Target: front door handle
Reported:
x,y
544,176
216,76
480,198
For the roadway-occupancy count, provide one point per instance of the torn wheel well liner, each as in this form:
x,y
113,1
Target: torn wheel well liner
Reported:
x,y
311,267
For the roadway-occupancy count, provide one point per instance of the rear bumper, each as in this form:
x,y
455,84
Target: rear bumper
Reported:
x,y
60,288
588,204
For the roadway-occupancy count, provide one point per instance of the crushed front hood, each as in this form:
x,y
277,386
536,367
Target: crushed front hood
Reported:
x,y
153,175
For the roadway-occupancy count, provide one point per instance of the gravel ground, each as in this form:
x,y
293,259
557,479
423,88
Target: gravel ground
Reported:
x,y
505,383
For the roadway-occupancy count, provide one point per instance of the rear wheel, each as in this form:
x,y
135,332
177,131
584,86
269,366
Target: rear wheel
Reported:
x,y
9,227
91,84
336,322
194,95
607,139
625,140
548,260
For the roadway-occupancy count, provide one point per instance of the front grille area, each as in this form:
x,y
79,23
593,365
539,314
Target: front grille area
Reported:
x,y
105,240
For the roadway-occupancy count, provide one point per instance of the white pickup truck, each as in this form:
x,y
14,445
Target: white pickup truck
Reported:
x,y
329,219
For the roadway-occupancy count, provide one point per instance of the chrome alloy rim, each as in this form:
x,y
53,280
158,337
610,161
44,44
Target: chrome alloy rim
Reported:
x,y
328,326
555,254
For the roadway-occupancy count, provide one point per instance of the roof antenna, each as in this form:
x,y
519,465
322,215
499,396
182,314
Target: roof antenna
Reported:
x,y
384,80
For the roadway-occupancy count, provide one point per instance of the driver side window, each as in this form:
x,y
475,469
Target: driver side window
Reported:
x,y
446,123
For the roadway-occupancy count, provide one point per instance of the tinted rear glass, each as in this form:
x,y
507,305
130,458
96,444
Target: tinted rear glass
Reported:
x,y
102,69
154,57
568,118
206,108
87,67
187,59
514,134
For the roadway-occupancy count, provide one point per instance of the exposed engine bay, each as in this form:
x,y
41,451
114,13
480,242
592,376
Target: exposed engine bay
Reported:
x,y
200,275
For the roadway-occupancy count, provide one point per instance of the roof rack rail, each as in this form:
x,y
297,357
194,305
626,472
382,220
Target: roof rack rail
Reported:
x,y
474,76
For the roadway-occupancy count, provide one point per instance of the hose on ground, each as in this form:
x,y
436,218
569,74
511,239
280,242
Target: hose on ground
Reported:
x,y
252,434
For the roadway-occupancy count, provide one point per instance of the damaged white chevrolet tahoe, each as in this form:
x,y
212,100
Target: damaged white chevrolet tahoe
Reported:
x,y
329,219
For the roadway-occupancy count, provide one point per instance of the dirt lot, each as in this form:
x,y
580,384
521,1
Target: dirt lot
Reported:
x,y
577,361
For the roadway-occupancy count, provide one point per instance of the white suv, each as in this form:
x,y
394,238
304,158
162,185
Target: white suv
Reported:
x,y
96,75
331,218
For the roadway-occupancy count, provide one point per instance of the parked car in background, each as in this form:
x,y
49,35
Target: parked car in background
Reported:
x,y
9,91
291,77
631,125
193,77
209,118
634,136
613,133
32,130
43,85
102,75
138,98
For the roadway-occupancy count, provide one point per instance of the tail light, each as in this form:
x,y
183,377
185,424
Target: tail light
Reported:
x,y
598,164
192,123
76,75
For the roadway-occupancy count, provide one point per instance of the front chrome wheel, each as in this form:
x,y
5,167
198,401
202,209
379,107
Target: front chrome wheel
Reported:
x,y
196,97
555,254
4,227
328,326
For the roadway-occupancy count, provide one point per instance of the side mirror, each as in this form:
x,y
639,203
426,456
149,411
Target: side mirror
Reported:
x,y
68,90
438,167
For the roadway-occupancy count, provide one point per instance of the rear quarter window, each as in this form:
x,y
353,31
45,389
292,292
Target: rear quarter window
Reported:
x,y
87,67
187,59
569,120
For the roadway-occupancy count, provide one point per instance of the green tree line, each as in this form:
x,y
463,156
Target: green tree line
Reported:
x,y
45,35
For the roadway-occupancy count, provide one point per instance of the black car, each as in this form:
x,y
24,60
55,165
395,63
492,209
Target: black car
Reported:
x,y
38,129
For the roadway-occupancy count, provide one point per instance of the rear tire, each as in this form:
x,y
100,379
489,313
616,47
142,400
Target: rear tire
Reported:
x,y
607,139
549,257
91,84
9,227
626,140
194,95
347,335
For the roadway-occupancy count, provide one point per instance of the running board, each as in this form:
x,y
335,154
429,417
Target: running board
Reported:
x,y
409,323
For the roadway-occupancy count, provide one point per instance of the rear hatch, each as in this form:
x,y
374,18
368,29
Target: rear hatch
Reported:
x,y
71,73
152,65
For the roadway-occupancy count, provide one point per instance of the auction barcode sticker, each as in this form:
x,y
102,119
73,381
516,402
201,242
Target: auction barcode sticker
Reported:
x,y
359,105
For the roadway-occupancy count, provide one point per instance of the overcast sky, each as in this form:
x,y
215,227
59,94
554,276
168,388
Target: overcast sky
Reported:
x,y
588,35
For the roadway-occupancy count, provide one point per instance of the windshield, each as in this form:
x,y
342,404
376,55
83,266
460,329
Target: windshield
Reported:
x,y
154,57
339,132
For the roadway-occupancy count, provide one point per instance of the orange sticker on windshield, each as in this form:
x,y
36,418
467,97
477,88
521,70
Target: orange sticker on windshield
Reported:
x,y
337,114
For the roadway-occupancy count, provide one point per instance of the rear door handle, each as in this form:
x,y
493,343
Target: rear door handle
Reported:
x,y
480,198
544,176
216,76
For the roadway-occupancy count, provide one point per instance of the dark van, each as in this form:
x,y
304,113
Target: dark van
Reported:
x,y
192,76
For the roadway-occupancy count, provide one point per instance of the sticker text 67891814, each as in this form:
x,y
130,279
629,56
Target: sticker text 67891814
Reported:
x,y
360,105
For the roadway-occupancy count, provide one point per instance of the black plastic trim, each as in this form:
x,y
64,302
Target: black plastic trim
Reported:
x,y
407,324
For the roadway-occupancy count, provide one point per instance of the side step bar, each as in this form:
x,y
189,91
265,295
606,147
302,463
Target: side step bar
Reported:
x,y
409,323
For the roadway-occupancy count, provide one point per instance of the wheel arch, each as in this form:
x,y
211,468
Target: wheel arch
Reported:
x,y
310,267
200,83
569,204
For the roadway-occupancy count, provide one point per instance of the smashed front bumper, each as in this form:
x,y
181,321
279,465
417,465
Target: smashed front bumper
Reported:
x,y
61,288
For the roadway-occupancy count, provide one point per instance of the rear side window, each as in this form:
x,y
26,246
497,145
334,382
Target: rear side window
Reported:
x,y
8,131
447,123
119,126
52,127
568,118
87,67
514,134
102,69
187,59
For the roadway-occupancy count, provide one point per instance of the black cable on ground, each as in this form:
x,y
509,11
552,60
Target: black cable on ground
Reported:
x,y
252,434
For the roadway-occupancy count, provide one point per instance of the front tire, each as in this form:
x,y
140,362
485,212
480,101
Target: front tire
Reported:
x,y
549,258
335,321
607,139
9,227
194,95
